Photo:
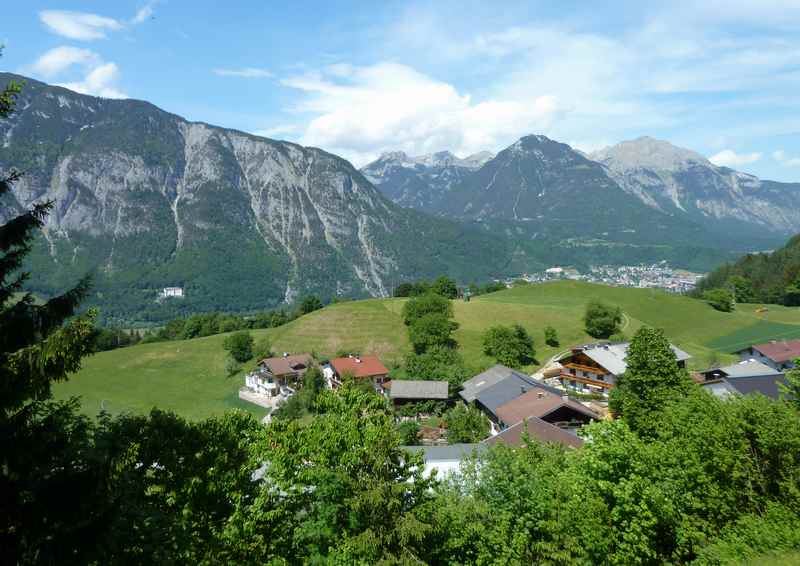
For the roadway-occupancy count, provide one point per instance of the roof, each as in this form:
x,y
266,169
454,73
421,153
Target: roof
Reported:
x,y
764,384
537,429
414,389
504,391
447,453
364,366
486,379
779,352
282,365
748,368
612,356
537,403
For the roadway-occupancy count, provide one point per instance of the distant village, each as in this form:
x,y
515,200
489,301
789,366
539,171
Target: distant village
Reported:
x,y
653,276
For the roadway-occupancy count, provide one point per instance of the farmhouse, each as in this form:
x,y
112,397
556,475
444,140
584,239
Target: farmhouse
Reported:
x,y
276,376
749,376
415,391
778,355
361,368
595,368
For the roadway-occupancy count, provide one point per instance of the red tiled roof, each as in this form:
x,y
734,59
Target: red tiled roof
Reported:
x,y
779,352
364,366
537,402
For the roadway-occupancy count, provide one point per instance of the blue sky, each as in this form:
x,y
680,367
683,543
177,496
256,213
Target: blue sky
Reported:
x,y
721,77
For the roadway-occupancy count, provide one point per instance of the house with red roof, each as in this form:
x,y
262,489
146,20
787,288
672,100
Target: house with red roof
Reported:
x,y
361,368
777,354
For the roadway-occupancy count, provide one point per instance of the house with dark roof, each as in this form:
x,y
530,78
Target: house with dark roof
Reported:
x,y
446,460
595,368
744,378
403,391
486,379
777,354
538,430
366,368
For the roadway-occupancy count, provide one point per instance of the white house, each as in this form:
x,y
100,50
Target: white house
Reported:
x,y
168,292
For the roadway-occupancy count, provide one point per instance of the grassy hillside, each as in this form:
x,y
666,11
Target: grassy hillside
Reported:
x,y
189,377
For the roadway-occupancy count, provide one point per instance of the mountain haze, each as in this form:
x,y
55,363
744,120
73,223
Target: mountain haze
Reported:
x,y
146,199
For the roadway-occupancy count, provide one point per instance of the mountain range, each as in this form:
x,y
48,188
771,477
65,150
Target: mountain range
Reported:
x,y
146,200
644,187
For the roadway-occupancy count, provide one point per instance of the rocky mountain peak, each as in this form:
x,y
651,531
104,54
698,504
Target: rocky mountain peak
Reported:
x,y
648,153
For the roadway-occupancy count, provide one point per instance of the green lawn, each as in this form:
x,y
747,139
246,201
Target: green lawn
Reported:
x,y
189,376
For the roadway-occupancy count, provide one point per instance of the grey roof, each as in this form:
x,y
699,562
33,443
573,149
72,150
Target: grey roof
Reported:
x,y
415,389
505,390
448,453
612,356
486,379
749,368
764,384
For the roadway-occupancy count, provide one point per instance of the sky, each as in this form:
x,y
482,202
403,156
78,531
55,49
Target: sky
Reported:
x,y
721,77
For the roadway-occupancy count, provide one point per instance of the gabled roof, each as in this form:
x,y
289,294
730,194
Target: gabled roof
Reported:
x,y
538,403
612,356
448,453
766,385
537,429
778,352
415,389
487,379
283,365
748,368
363,366
504,391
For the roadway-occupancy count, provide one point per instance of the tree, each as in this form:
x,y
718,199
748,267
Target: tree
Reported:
x,y
445,287
262,349
721,299
465,424
792,388
791,295
510,345
602,320
550,336
310,304
429,303
651,381
232,367
239,345
742,289
438,363
409,433
430,331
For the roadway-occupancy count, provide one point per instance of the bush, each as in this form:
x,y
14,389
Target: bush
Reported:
x,y
602,320
240,346
262,349
409,433
232,367
465,424
429,303
721,299
510,345
445,287
550,336
430,331
310,304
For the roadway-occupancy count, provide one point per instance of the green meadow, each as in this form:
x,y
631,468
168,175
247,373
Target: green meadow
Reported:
x,y
189,377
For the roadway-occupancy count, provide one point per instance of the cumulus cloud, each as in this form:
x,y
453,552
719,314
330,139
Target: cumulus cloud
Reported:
x,y
59,59
244,72
78,25
729,158
362,111
281,130
100,81
781,157
143,13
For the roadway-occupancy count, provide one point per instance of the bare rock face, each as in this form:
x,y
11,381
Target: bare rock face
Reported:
x,y
148,200
680,181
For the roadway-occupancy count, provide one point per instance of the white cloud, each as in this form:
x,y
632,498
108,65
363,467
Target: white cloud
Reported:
x,y
360,111
244,72
729,158
59,59
78,25
781,157
143,13
98,82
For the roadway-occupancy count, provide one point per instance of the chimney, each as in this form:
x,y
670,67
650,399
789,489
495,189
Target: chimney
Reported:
x,y
286,354
358,360
565,398
540,395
